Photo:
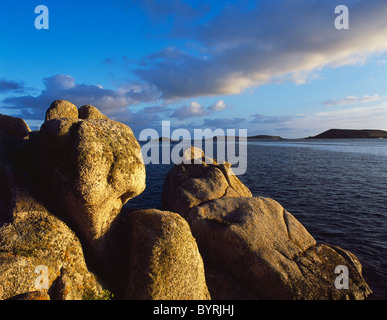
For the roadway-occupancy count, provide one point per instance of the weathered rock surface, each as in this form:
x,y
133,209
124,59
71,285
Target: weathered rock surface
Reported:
x,y
189,185
222,286
90,168
34,295
164,260
84,171
35,244
61,109
269,252
254,240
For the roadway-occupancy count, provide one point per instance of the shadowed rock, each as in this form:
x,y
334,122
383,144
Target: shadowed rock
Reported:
x,y
13,127
164,260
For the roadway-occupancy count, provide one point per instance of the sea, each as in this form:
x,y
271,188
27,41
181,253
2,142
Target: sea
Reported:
x,y
336,188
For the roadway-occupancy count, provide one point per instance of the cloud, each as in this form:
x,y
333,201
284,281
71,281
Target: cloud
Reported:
x,y
11,85
64,87
119,104
218,106
240,48
352,99
194,109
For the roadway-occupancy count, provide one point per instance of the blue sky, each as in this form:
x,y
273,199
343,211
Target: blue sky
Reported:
x,y
272,67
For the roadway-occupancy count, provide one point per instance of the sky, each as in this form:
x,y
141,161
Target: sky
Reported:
x,y
272,67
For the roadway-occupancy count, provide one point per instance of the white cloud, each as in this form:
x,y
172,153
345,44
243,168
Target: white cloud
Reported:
x,y
353,99
193,109
218,106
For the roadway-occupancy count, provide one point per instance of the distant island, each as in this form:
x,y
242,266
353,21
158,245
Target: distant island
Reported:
x,y
265,137
350,134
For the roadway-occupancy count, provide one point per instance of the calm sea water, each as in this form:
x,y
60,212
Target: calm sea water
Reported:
x,y
336,188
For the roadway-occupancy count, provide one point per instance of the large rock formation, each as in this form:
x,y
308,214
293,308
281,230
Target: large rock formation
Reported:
x,y
64,233
37,244
65,185
90,168
255,240
269,252
40,256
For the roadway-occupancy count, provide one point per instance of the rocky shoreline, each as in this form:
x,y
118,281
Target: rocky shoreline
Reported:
x,y
65,233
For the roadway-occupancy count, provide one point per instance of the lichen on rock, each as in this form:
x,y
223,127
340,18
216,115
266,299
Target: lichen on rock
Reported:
x,y
33,238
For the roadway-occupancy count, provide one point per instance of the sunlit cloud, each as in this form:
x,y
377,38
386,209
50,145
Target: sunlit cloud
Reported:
x,y
242,49
218,106
194,109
